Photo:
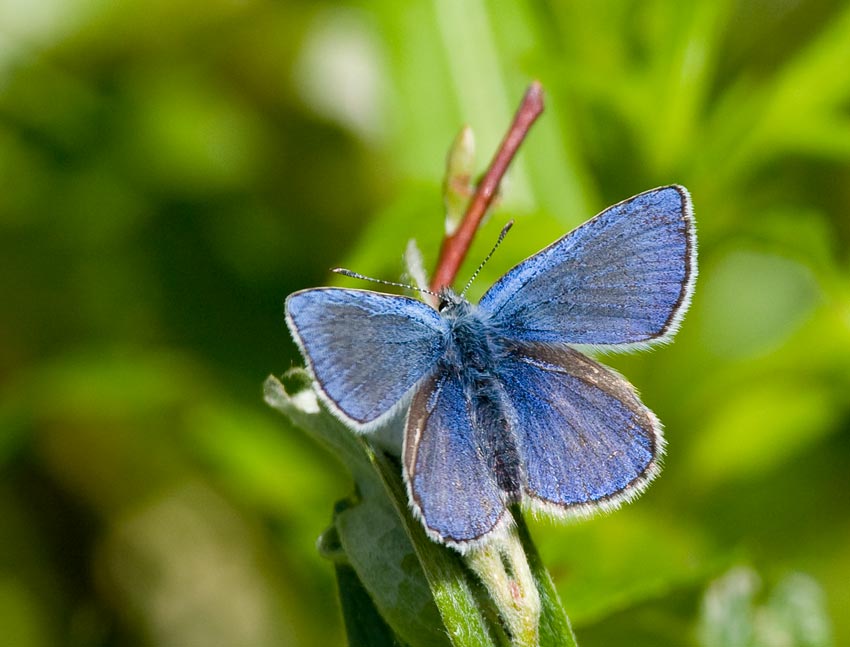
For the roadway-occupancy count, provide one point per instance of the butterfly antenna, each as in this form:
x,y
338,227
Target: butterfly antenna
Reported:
x,y
355,275
502,235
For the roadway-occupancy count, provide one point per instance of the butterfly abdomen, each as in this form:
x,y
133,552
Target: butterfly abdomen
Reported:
x,y
494,436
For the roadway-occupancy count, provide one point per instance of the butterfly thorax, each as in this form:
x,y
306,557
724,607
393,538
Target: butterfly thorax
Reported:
x,y
472,344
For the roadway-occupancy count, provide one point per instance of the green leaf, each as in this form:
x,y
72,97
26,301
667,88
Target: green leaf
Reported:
x,y
379,551
363,624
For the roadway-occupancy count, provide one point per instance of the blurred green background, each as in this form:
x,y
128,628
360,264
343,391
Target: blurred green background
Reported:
x,y
170,170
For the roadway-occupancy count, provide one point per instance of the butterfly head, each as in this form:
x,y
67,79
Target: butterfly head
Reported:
x,y
452,304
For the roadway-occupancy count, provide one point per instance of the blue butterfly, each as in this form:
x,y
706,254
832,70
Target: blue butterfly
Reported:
x,y
502,408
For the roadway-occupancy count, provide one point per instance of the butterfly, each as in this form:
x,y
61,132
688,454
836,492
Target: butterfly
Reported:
x,y
501,406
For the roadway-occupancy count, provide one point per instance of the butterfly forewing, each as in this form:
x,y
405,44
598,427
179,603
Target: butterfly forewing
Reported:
x,y
623,277
583,435
367,350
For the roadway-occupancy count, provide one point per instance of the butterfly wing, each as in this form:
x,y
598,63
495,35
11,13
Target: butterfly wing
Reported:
x,y
451,485
365,349
624,277
584,438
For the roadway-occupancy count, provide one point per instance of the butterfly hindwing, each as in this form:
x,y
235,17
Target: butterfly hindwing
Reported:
x,y
367,350
450,480
624,277
584,438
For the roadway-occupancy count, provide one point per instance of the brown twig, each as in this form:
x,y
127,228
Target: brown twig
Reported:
x,y
456,245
